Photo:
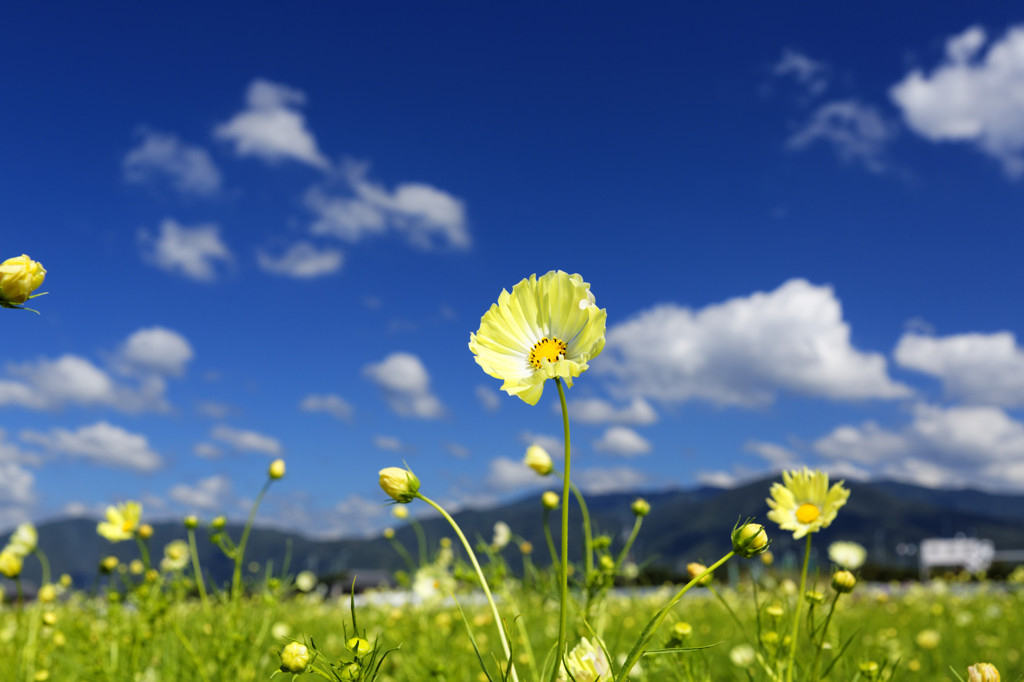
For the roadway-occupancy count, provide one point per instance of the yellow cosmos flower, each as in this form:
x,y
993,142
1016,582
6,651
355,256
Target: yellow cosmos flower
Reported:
x,y
122,522
176,556
547,327
19,277
803,502
586,663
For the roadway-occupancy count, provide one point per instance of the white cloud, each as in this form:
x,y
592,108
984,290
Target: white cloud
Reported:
x,y
302,260
970,97
746,351
157,349
334,405
718,479
271,128
776,455
189,251
975,368
15,484
602,481
247,441
189,169
489,399
215,410
102,443
388,444
506,474
406,385
12,453
940,446
207,450
624,441
426,216
596,411
209,494
812,74
359,516
855,131
70,379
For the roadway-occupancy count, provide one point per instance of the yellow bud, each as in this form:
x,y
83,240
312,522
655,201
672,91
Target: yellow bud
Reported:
x,y
400,484
641,507
109,564
358,646
191,522
10,563
389,533
749,540
550,499
218,523
19,277
276,469
47,593
294,658
49,618
694,569
145,531
538,459
982,672
526,547
350,672
400,512
843,582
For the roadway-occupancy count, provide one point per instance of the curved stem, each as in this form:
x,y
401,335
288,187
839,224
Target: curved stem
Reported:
x,y
200,582
483,581
143,550
550,540
796,614
824,631
236,578
421,540
404,553
563,575
44,564
629,543
588,535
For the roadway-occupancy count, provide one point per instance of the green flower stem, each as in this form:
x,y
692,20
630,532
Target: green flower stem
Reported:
x,y
197,569
652,626
824,631
588,535
404,553
44,564
550,540
236,578
629,543
143,551
421,540
563,575
498,623
796,614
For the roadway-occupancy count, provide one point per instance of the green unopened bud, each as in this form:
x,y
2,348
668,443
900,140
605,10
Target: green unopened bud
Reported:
x,y
869,669
814,597
400,484
358,646
550,499
109,564
218,523
749,540
843,582
294,658
191,522
640,507
351,672
607,563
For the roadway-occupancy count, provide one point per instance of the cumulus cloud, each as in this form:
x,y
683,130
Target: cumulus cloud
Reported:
x,y
555,445
489,399
855,131
101,443
427,217
271,127
506,474
302,260
624,441
778,456
247,441
596,411
618,479
163,157
406,385
811,74
73,380
388,444
16,485
974,368
334,405
157,349
209,494
939,447
746,351
189,251
971,97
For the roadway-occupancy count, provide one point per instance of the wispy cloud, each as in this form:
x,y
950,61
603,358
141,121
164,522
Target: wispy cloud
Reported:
x,y
189,251
334,405
855,131
208,494
101,443
247,441
161,157
302,260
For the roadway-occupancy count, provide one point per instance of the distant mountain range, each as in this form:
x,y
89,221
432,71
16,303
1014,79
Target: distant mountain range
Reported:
x,y
888,518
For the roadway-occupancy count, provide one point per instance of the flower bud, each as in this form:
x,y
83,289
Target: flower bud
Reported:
x,y
843,582
694,569
640,507
526,547
400,484
10,563
19,277
218,523
358,646
145,531
49,618
109,564
294,658
191,522
982,672
276,469
814,598
749,540
538,459
389,533
47,593
550,499
351,672
400,513
767,558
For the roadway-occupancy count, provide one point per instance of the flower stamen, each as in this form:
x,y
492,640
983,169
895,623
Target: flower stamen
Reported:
x,y
551,349
807,513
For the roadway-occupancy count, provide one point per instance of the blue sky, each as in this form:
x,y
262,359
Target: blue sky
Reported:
x,y
269,232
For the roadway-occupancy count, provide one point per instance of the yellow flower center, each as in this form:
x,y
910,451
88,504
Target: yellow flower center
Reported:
x,y
551,349
127,526
807,512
